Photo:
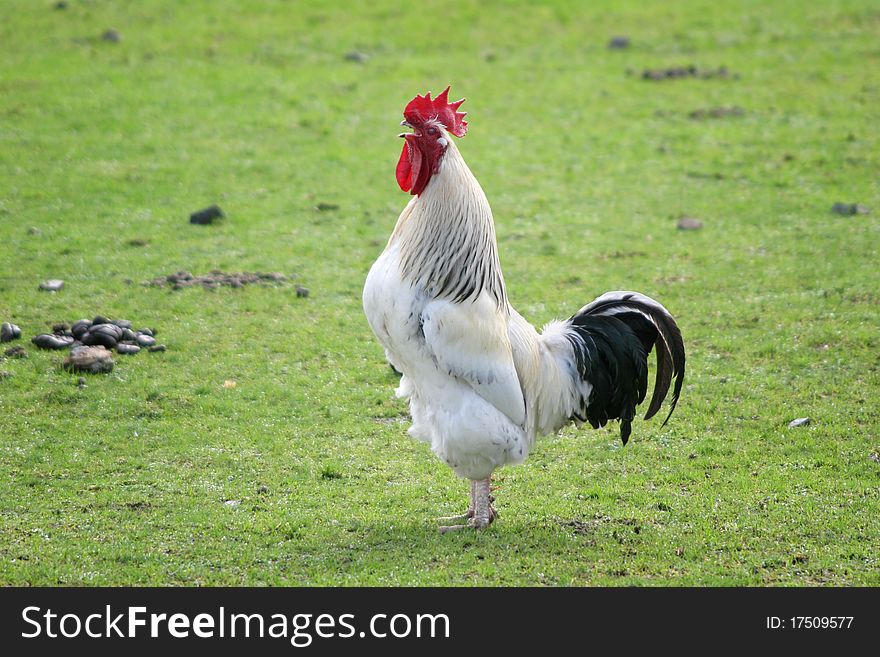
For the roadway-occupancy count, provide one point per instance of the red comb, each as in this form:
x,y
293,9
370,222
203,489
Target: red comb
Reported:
x,y
424,108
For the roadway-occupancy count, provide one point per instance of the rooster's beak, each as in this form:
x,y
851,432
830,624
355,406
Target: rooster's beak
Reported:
x,y
406,124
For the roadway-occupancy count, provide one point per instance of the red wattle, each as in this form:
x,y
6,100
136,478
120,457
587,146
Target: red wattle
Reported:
x,y
409,168
404,170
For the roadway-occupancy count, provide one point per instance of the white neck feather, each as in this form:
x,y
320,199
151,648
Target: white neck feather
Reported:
x,y
446,236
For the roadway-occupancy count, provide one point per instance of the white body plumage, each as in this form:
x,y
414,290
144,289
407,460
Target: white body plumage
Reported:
x,y
480,380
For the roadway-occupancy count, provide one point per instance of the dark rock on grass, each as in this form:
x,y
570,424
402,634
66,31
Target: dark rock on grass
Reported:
x,y
689,223
129,349
16,352
157,347
121,323
9,332
33,230
849,209
59,328
49,341
356,56
100,319
52,285
80,382
618,43
717,112
207,215
129,335
799,422
145,340
97,338
106,335
80,327
111,35
147,331
60,5
107,329
90,360
301,291
324,207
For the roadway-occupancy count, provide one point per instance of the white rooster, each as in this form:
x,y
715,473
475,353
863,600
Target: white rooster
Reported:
x,y
482,383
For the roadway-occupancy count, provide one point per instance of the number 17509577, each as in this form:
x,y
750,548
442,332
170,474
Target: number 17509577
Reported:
x,y
810,623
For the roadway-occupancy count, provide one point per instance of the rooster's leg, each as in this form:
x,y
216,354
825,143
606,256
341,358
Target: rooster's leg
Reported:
x,y
481,513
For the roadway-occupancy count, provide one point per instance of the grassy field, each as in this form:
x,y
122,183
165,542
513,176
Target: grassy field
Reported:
x,y
163,472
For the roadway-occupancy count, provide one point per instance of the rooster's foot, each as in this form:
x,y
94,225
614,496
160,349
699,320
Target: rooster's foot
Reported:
x,y
452,520
481,513
473,523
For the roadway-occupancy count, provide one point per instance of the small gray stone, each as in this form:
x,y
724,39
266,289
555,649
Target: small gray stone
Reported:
x,y
9,332
849,208
157,347
799,422
91,360
80,327
106,335
130,349
52,285
302,291
111,35
618,43
145,340
356,56
121,323
689,223
49,341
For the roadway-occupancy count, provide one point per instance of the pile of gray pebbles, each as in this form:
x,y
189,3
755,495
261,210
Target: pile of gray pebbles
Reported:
x,y
109,333
90,342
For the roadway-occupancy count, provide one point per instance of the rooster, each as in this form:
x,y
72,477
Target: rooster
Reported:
x,y
482,383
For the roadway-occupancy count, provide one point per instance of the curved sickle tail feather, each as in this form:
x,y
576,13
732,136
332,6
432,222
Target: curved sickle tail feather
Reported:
x,y
612,337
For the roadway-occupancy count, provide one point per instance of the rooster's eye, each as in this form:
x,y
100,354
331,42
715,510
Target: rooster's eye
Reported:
x,y
432,131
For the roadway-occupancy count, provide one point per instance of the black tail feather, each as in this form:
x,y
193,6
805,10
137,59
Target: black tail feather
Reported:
x,y
612,338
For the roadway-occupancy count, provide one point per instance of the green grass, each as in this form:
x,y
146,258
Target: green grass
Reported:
x,y
302,473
